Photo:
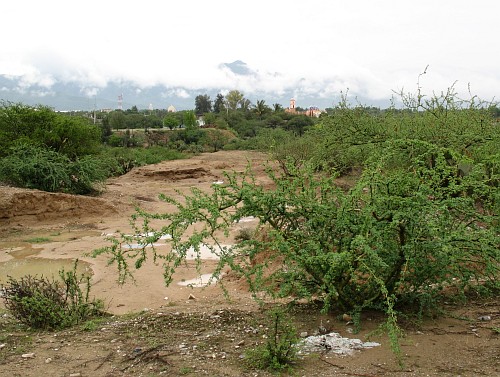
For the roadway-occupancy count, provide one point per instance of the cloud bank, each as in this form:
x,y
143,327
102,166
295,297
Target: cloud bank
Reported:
x,y
311,49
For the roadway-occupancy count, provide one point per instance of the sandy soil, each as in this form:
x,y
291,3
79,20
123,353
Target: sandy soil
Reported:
x,y
206,335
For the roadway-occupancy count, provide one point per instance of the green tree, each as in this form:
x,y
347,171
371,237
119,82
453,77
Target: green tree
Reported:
x,y
261,108
234,99
274,121
216,138
189,120
171,122
298,124
277,108
117,120
219,104
192,133
202,104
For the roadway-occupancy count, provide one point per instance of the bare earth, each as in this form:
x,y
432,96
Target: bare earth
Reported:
x,y
156,330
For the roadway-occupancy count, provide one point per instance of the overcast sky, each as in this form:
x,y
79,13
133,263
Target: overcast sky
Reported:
x,y
367,47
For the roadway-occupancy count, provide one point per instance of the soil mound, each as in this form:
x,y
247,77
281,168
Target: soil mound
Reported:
x,y
24,205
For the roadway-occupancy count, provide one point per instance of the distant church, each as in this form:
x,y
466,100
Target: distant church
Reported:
x,y
312,111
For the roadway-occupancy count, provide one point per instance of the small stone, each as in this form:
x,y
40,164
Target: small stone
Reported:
x,y
346,317
191,297
75,374
2,345
30,355
484,318
303,334
48,360
241,342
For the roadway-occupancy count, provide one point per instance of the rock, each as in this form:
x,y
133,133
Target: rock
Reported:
x,y
48,360
2,345
484,318
346,317
191,297
30,355
75,374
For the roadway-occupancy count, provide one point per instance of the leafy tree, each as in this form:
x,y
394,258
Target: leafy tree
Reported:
x,y
261,108
216,138
202,104
298,124
189,120
277,108
133,110
234,99
192,133
274,121
210,119
219,104
245,104
117,120
171,122
106,129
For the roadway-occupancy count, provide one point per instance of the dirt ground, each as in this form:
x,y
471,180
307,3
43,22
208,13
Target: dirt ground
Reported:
x,y
155,330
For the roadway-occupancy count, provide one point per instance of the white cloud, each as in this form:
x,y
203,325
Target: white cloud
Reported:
x,y
312,48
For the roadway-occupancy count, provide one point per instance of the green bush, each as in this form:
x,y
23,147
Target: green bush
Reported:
x,y
44,169
42,303
127,158
43,127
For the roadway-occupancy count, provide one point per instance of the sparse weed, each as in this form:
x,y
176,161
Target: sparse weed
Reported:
x,y
280,350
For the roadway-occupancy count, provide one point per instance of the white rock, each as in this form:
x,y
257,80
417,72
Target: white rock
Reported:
x,y
30,355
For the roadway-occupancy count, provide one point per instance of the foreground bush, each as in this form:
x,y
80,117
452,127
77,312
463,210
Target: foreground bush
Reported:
x,y
412,228
42,303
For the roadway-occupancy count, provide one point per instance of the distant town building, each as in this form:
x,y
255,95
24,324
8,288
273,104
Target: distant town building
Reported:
x,y
171,109
312,111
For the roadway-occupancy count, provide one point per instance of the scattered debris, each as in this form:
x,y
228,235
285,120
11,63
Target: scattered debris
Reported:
x,y
335,343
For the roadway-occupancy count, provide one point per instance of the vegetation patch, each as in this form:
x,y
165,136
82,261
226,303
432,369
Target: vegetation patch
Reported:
x,y
43,303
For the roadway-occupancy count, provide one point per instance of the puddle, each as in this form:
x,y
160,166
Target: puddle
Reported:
x,y
247,219
49,268
199,282
205,253
19,250
49,236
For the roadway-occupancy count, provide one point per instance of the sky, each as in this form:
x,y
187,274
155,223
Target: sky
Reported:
x,y
371,49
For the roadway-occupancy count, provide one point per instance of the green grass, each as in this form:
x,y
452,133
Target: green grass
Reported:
x,y
38,240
